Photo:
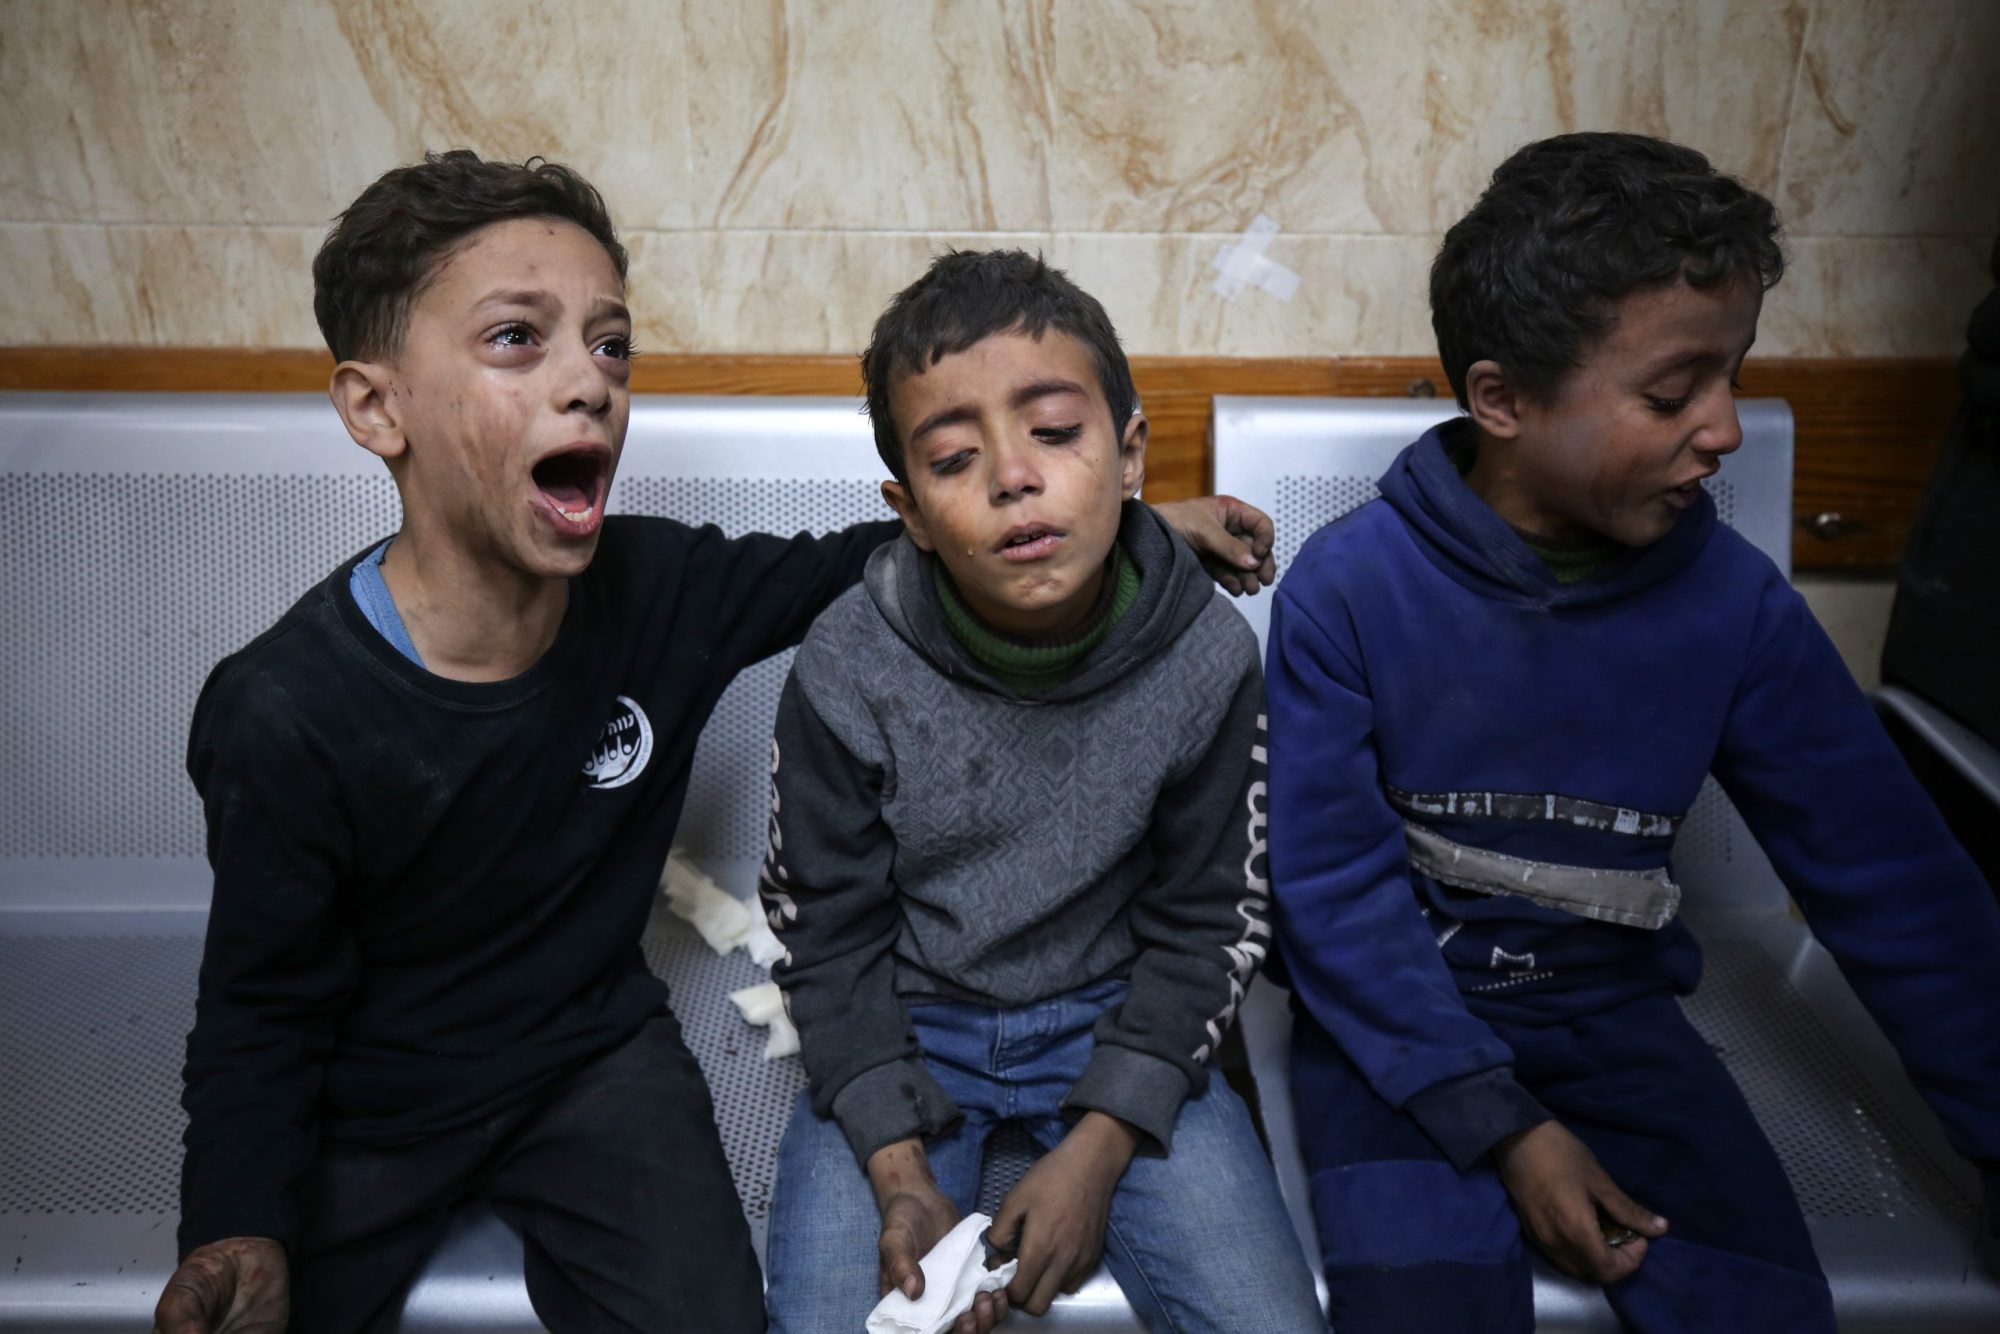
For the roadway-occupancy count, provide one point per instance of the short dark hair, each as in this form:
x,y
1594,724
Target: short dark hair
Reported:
x,y
969,295
383,250
1567,227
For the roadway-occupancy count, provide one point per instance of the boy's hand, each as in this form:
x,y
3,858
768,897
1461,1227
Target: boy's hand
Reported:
x,y
1559,1191
1053,1220
240,1285
915,1217
1232,538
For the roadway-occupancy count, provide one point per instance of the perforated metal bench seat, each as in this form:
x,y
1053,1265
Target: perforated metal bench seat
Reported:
x,y
1893,1212
143,537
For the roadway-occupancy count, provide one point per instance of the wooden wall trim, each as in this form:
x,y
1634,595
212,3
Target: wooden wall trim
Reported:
x,y
1867,430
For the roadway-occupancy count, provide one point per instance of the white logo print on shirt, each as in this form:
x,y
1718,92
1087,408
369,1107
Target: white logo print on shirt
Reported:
x,y
622,748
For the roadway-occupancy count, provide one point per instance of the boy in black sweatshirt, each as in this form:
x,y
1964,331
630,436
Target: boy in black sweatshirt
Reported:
x,y
439,792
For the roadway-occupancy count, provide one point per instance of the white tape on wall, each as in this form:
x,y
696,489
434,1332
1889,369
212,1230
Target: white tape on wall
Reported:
x,y
1244,264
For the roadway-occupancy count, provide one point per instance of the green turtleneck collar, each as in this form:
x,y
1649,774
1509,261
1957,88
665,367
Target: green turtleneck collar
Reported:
x,y
1029,667
1572,562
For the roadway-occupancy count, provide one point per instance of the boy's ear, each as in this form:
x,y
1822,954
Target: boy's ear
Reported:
x,y
900,500
1132,455
360,394
1492,401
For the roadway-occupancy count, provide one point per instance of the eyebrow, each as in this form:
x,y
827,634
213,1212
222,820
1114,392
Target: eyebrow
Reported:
x,y
1696,356
1020,398
603,307
1028,393
517,297
1679,362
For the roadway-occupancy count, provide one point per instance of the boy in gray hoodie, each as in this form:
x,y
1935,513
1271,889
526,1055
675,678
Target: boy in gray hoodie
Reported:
x,y
1017,848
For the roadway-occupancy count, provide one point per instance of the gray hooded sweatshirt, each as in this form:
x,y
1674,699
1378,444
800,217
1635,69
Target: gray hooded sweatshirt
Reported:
x,y
935,836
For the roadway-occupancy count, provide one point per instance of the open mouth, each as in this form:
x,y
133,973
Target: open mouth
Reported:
x,y
1682,496
572,483
1029,541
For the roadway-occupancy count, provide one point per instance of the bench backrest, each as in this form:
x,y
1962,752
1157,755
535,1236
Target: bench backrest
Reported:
x,y
1307,461
145,536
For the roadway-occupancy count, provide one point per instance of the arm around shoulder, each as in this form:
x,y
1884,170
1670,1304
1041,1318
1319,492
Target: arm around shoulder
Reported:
x,y
765,591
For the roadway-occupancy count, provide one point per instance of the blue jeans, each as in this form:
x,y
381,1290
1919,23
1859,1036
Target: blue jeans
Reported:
x,y
1198,1240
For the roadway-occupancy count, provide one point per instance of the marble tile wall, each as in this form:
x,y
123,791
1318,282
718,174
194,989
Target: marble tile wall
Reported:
x,y
780,167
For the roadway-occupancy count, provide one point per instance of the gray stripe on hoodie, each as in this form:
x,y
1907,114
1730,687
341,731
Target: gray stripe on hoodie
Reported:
x,y
936,836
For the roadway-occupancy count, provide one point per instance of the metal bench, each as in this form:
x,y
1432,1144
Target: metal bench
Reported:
x,y
1893,1212
1971,756
143,537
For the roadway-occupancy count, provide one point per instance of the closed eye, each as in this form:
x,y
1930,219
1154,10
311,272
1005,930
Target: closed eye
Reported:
x,y
1057,435
1666,406
951,463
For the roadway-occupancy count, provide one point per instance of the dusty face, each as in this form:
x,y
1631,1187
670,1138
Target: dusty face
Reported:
x,y
511,393
1016,476
1631,433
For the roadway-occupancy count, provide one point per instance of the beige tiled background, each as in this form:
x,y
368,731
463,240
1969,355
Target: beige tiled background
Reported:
x,y
168,168
779,168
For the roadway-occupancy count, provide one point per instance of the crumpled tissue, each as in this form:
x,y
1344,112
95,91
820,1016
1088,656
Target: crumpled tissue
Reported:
x,y
955,1272
723,920
764,1006
763,946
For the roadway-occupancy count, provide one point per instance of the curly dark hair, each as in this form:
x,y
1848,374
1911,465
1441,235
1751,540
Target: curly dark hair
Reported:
x,y
969,295
1568,226
383,250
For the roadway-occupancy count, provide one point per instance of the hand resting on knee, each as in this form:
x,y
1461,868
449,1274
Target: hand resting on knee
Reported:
x,y
1559,1190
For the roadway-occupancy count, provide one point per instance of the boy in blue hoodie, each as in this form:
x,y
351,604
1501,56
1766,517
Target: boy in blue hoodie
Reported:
x,y
1494,694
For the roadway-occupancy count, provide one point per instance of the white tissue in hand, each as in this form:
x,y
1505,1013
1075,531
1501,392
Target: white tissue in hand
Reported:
x,y
955,1272
764,1006
723,920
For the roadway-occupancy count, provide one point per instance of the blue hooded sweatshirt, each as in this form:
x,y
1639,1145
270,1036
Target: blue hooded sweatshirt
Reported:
x,y
1476,774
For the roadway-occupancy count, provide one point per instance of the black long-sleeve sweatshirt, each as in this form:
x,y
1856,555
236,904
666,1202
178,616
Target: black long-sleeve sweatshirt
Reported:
x,y
429,894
